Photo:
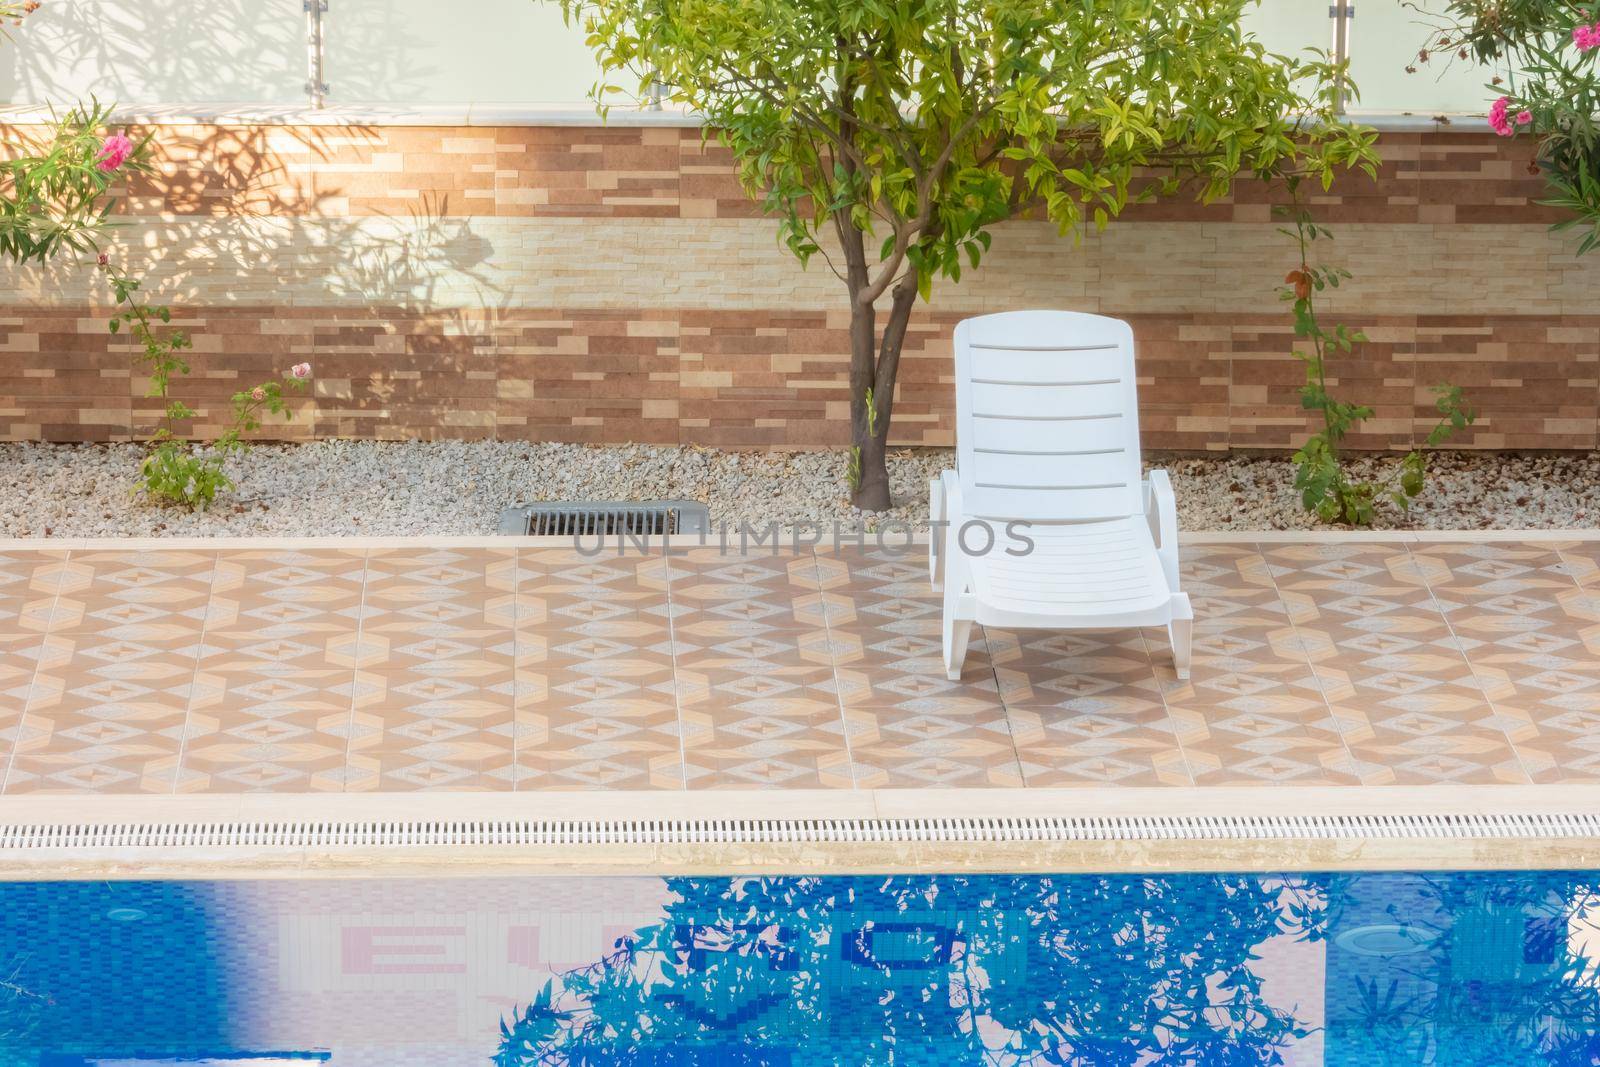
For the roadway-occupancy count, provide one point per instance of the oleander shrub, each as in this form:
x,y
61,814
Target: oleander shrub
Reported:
x,y
56,200
1551,91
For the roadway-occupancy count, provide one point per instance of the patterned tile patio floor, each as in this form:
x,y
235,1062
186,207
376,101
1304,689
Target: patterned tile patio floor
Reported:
x,y
506,665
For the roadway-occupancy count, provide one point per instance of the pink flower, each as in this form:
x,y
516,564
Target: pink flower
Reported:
x,y
1524,117
103,259
1497,117
1586,38
301,371
114,152
258,393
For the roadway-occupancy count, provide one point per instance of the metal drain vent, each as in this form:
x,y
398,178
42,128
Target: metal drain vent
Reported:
x,y
297,834
589,518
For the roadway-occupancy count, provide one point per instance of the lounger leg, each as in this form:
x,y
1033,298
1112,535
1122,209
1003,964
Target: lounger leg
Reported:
x,y
956,633
935,514
1180,632
956,627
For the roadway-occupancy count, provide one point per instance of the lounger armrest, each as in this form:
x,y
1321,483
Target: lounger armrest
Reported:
x,y
1161,510
950,490
954,515
941,488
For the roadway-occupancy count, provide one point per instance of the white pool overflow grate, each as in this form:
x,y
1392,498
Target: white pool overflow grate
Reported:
x,y
512,833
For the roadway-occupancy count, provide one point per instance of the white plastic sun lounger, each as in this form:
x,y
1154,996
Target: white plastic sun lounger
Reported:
x,y
1047,435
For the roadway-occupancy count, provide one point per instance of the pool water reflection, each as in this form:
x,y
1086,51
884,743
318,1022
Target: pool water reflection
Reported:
x,y
1301,969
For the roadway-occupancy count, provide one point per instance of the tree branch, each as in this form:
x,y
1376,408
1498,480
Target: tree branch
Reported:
x,y
914,226
894,336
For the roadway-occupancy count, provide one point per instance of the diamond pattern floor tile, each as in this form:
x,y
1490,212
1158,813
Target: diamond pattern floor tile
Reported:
x,y
412,728
271,707
717,597
1532,635
110,695
267,730
757,693
1399,687
792,742
506,667
28,584
1127,741
931,742
149,596
596,702
621,743
1083,707
1252,711
559,589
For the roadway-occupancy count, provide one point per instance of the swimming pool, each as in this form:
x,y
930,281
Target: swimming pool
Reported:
x,y
1304,969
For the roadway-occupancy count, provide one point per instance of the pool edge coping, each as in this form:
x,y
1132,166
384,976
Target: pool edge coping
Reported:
x,y
592,840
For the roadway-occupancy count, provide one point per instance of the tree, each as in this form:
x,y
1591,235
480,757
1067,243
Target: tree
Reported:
x,y
889,138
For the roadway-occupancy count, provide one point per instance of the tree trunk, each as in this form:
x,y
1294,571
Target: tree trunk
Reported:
x,y
872,491
874,365
869,474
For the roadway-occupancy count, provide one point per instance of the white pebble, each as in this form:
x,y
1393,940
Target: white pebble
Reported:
x,y
448,487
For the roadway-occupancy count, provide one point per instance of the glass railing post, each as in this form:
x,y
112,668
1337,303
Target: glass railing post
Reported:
x,y
1341,11
316,84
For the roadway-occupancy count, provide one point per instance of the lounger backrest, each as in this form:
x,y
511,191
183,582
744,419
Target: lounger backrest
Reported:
x,y
1047,417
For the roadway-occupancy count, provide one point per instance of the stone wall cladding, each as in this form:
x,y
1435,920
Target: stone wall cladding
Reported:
x,y
614,284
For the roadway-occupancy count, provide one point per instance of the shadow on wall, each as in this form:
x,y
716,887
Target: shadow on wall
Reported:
x,y
382,305
241,215
245,234
188,52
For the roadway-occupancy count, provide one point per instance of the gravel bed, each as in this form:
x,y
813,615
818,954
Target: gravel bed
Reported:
x,y
451,487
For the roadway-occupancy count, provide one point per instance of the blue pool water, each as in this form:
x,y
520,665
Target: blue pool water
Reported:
x,y
1353,970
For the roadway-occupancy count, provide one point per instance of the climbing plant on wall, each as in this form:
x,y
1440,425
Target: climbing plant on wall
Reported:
x,y
1326,487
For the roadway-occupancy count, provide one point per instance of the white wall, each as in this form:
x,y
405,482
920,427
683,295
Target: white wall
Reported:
x,y
1385,37
157,51
1287,27
509,52
254,51
468,51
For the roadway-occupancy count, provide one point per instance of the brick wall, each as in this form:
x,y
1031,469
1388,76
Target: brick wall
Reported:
x,y
581,283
